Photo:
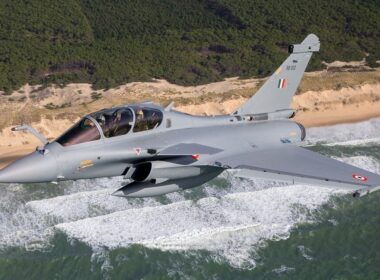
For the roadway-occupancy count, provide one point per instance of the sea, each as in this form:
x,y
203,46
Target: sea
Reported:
x,y
228,228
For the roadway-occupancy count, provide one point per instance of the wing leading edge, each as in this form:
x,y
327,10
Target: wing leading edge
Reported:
x,y
298,165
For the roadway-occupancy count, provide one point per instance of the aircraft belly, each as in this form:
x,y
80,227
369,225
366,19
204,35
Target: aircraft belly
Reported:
x,y
145,189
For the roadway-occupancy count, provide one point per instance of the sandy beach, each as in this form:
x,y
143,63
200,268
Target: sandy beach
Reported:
x,y
10,154
324,98
348,114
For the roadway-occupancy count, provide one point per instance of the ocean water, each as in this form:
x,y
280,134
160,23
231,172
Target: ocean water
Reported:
x,y
229,228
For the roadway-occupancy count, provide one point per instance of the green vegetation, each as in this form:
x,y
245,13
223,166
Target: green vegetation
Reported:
x,y
112,42
96,95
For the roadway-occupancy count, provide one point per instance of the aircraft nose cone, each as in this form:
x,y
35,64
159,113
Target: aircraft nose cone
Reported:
x,y
33,168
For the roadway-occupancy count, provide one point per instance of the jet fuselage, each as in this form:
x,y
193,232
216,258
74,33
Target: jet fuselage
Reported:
x,y
108,157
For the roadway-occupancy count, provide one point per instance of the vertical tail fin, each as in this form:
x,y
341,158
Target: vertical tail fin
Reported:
x,y
277,92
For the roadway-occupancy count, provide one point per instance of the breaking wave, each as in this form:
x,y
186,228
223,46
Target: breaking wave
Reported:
x,y
231,226
362,132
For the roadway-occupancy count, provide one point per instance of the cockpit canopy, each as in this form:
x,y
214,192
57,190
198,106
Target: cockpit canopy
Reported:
x,y
146,118
114,122
83,131
111,123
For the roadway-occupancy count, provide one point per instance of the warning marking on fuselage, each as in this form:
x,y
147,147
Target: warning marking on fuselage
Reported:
x,y
86,163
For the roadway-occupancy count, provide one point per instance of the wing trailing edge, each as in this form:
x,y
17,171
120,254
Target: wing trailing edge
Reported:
x,y
294,164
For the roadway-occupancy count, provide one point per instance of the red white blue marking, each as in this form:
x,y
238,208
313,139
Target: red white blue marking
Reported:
x,y
359,177
137,151
281,83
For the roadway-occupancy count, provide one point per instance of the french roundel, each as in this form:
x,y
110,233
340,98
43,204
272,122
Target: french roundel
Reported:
x,y
359,177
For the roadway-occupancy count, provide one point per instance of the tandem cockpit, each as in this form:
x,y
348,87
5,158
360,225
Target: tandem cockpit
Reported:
x,y
113,122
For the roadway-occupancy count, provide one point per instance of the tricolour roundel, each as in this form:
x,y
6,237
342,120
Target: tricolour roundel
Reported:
x,y
359,177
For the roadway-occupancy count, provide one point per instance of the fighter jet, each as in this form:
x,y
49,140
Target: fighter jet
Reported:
x,y
160,150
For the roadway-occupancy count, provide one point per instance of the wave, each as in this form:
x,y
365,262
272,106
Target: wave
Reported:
x,y
232,226
229,216
362,142
361,131
239,218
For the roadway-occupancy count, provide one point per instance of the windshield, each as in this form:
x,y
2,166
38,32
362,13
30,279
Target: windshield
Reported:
x,y
84,131
146,118
114,122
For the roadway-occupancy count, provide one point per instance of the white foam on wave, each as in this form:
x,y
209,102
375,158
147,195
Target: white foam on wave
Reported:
x,y
361,142
86,204
31,224
360,131
72,187
18,225
364,162
231,226
80,205
283,269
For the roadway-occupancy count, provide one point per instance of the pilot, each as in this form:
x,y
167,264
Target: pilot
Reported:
x,y
116,123
139,114
117,117
101,119
87,123
153,120
141,123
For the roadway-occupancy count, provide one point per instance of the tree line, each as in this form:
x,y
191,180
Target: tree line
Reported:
x,y
108,43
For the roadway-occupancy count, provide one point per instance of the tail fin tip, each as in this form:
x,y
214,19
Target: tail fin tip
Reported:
x,y
309,44
277,92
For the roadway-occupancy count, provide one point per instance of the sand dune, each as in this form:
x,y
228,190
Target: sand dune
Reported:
x,y
52,110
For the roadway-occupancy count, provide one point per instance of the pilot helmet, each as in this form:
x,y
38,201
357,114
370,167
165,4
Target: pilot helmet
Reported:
x,y
139,113
101,119
117,115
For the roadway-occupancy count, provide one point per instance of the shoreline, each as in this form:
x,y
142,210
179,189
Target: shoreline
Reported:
x,y
10,154
308,119
340,115
325,98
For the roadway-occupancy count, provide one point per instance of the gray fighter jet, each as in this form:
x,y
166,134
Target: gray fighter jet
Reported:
x,y
160,150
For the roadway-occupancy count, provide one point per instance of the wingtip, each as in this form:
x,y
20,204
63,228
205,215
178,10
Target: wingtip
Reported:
x,y
363,192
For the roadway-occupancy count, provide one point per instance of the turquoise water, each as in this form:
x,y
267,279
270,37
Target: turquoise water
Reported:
x,y
227,229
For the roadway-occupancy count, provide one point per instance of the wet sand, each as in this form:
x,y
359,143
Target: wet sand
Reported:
x,y
340,114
